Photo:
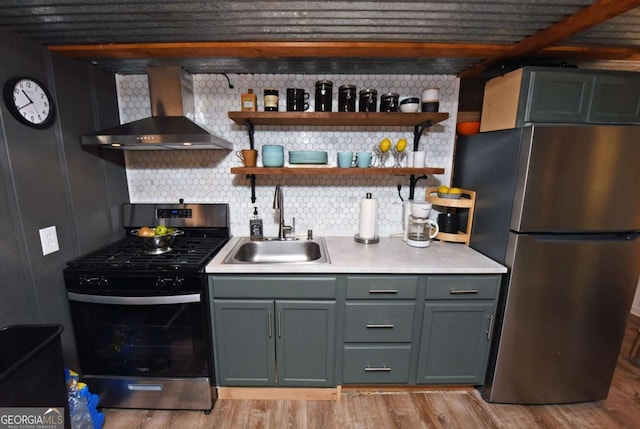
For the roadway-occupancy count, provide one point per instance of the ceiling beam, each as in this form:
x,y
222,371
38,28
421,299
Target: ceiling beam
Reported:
x,y
589,53
333,50
280,50
588,17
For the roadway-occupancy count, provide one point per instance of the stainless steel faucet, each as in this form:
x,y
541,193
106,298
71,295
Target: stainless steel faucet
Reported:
x,y
278,204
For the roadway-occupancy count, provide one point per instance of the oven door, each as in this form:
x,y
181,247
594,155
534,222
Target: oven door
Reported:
x,y
151,336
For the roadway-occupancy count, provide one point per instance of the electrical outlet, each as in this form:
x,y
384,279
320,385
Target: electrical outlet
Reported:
x,y
395,212
49,240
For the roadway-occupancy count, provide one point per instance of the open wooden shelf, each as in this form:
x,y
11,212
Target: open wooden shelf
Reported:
x,y
371,171
337,118
419,120
463,202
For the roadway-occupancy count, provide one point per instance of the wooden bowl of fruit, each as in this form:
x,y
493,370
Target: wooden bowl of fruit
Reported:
x,y
157,240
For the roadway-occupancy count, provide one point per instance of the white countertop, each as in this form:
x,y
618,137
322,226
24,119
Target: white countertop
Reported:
x,y
390,255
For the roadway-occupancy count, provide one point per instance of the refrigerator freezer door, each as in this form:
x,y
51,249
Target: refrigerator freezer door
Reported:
x,y
565,310
578,178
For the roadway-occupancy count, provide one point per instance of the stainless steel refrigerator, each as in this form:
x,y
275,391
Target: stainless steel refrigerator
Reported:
x,y
559,206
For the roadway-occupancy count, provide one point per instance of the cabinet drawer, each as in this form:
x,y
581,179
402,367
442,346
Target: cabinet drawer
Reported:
x,y
462,287
378,322
382,287
376,364
273,287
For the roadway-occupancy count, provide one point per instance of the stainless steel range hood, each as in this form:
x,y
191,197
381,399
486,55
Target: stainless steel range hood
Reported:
x,y
171,92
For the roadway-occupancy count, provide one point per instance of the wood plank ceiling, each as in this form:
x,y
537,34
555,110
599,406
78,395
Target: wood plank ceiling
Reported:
x,y
475,38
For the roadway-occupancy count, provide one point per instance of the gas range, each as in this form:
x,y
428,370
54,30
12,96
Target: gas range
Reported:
x,y
141,321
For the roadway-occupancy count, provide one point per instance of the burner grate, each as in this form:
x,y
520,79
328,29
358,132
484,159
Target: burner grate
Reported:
x,y
187,253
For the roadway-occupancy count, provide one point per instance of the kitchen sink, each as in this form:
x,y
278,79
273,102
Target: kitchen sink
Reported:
x,y
278,252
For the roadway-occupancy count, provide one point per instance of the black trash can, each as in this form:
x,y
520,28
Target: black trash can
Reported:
x,y
32,368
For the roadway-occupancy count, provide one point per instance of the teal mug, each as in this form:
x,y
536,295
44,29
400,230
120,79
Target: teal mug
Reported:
x,y
364,159
345,160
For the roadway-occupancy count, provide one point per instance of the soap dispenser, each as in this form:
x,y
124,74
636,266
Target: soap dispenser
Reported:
x,y
255,226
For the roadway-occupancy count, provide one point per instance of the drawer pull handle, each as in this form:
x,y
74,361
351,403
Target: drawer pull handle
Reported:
x,y
377,369
377,326
383,290
145,387
489,331
463,291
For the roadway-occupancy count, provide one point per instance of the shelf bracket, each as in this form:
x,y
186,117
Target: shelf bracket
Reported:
x,y
251,132
418,130
417,133
413,181
252,180
251,177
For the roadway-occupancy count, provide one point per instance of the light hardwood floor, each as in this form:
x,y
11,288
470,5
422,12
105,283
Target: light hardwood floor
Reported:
x,y
427,409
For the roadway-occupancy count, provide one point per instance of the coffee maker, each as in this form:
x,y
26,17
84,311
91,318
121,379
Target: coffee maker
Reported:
x,y
418,229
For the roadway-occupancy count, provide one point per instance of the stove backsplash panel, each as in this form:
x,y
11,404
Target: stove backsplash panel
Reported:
x,y
328,205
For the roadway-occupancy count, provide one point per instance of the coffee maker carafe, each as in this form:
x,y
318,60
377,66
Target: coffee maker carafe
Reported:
x,y
418,228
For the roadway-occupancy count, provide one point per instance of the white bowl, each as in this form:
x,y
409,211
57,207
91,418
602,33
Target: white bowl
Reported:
x,y
409,107
420,209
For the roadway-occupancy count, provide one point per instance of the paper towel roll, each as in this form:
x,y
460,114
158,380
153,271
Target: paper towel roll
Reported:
x,y
368,227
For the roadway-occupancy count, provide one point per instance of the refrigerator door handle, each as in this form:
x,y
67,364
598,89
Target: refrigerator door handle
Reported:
x,y
594,236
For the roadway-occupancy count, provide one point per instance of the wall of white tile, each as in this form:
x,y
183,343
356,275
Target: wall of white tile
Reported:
x,y
328,205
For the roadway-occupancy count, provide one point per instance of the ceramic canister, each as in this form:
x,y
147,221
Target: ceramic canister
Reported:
x,y
324,95
389,102
347,98
430,100
368,100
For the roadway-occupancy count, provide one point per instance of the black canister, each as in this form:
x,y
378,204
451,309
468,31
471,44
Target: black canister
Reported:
x,y
347,98
324,95
270,100
368,100
389,102
449,222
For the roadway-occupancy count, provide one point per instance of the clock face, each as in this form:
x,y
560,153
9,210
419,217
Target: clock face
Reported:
x,y
29,102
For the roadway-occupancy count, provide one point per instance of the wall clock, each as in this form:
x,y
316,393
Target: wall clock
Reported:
x,y
29,102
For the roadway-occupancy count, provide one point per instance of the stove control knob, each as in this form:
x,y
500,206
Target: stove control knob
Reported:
x,y
161,283
179,281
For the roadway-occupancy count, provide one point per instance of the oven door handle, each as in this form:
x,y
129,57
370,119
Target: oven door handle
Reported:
x,y
134,300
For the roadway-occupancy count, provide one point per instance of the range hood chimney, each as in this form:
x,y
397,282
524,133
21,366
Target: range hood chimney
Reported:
x,y
171,90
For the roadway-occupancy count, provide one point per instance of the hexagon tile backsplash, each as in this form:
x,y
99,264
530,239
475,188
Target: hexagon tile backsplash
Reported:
x,y
329,205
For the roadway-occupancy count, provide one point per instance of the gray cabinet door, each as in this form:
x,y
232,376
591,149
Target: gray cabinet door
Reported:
x,y
305,343
616,99
455,342
244,343
556,96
